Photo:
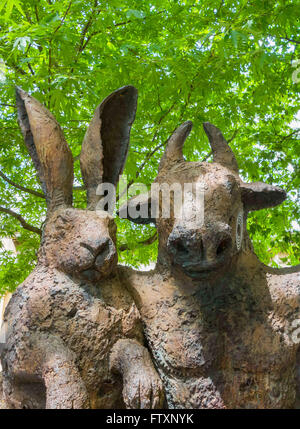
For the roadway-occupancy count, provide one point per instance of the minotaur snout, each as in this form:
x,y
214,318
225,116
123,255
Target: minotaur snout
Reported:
x,y
201,249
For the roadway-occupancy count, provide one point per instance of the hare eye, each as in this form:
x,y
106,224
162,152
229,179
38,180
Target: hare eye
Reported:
x,y
62,219
61,222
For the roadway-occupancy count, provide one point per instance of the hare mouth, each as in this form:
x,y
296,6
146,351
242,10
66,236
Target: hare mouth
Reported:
x,y
101,260
89,267
90,274
101,265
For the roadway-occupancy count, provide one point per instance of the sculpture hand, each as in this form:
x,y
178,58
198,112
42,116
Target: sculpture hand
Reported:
x,y
142,387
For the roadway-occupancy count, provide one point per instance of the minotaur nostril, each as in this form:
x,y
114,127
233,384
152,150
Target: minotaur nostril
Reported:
x,y
199,248
224,245
181,248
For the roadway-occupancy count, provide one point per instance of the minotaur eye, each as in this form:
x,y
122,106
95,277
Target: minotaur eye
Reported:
x,y
239,230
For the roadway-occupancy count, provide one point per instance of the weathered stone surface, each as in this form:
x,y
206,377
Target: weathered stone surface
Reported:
x,y
2,403
63,323
218,322
65,329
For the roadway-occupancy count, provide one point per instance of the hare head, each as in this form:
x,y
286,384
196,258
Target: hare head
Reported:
x,y
78,242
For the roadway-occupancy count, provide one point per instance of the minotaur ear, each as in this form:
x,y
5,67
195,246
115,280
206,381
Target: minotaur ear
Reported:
x,y
48,149
258,195
138,209
106,142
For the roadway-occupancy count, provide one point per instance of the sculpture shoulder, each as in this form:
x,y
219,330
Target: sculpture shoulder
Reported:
x,y
132,278
31,301
284,281
151,290
140,281
23,292
284,287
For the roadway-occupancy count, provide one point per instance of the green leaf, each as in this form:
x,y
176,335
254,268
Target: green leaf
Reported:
x,y
9,5
21,42
136,13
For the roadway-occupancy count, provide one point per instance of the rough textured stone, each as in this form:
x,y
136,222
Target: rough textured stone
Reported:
x,y
218,322
60,332
63,323
2,403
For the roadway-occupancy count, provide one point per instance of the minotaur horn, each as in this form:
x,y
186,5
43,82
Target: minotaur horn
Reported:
x,y
220,148
175,144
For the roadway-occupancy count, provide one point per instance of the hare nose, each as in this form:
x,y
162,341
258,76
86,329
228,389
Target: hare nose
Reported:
x,y
97,246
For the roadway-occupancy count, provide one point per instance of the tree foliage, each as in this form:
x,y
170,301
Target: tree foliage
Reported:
x,y
227,62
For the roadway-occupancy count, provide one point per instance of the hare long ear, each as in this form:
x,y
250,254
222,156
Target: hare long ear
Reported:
x,y
48,149
105,145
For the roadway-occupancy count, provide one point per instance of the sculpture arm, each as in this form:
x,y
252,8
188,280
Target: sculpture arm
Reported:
x,y
142,387
64,385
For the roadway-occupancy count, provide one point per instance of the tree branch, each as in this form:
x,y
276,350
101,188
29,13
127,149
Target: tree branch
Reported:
x,y
297,42
235,133
21,188
8,105
36,13
32,191
17,69
146,242
123,23
82,43
118,24
296,131
101,31
207,156
31,69
27,16
22,221
50,47
63,18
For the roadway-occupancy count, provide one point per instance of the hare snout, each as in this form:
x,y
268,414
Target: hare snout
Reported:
x,y
105,258
97,246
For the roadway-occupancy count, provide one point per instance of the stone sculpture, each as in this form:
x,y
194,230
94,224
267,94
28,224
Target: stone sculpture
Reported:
x,y
220,324
73,333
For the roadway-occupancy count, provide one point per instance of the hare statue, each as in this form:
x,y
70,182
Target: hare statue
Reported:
x,y
73,334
